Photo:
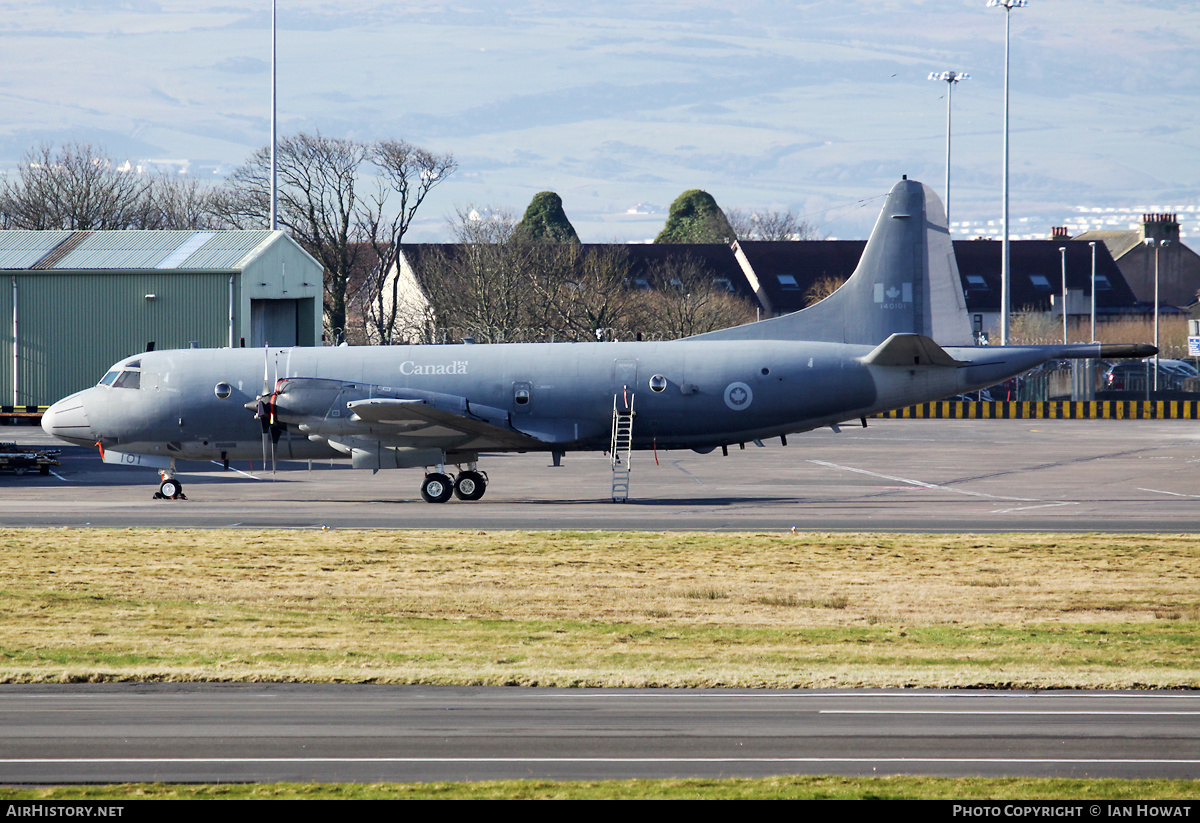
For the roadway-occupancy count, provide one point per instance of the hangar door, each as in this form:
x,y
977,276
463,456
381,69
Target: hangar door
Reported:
x,y
274,323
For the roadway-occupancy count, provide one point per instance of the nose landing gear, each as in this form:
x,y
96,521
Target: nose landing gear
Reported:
x,y
170,488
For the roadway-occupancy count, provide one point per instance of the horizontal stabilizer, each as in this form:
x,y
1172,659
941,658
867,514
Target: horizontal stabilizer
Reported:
x,y
909,350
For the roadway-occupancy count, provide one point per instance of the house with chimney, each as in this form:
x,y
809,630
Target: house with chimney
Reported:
x,y
1154,245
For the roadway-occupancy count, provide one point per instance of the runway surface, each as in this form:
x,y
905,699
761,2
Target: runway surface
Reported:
x,y
896,475
109,733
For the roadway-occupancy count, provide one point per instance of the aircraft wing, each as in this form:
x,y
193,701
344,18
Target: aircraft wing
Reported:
x,y
433,422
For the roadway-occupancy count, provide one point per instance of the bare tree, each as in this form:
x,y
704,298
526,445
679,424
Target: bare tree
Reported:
x,y
768,224
79,187
178,203
408,172
318,205
687,298
322,207
498,285
822,288
480,286
596,295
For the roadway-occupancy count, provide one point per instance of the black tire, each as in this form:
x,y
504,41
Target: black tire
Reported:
x,y
470,486
437,488
170,489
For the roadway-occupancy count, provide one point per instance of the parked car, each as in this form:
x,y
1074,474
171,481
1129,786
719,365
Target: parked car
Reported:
x,y
1135,375
1183,367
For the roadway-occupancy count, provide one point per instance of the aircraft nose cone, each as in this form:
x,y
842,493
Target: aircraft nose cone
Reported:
x,y
67,420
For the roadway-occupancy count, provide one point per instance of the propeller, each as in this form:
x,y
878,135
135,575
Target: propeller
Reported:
x,y
264,407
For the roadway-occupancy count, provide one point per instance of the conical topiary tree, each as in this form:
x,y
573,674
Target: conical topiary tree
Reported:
x,y
546,221
696,218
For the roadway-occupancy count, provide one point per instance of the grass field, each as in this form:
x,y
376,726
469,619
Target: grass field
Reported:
x,y
767,788
596,609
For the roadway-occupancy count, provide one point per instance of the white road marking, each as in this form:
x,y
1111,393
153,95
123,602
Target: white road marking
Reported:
x,y
875,474
1027,508
232,469
922,484
60,477
688,473
1173,494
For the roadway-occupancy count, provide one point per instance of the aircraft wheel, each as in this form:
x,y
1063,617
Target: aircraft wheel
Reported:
x,y
437,488
470,486
171,489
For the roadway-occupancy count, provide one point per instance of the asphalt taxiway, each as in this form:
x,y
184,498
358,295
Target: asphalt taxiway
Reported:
x,y
895,475
260,733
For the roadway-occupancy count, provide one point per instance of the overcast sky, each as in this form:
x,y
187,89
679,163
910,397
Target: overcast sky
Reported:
x,y
816,106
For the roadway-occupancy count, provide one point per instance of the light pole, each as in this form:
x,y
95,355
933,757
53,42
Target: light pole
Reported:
x,y
1156,245
1005,268
1062,250
274,162
1093,245
950,77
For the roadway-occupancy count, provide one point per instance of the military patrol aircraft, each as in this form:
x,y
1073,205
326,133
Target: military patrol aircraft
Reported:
x,y
895,334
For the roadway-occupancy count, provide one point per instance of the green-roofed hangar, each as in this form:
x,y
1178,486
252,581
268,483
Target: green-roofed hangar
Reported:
x,y
78,301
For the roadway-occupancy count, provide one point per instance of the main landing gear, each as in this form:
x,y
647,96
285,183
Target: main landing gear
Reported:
x,y
170,488
468,485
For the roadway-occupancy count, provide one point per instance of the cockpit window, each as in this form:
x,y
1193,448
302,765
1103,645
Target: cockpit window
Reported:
x,y
125,375
128,380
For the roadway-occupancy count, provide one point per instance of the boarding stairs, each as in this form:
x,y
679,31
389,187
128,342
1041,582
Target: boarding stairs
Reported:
x,y
621,447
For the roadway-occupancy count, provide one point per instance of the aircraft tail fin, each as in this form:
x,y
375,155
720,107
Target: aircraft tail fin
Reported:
x,y
907,282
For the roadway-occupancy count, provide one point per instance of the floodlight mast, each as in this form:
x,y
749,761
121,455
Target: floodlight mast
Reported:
x,y
1062,250
1005,259
274,163
950,77
1093,245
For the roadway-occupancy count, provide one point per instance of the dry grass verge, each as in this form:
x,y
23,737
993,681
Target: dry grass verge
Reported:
x,y
974,789
1093,611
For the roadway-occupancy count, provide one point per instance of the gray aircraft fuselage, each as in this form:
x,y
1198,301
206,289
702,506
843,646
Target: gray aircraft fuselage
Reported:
x,y
713,393
894,334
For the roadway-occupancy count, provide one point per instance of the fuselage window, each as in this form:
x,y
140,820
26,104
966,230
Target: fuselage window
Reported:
x,y
222,390
658,383
107,380
521,396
